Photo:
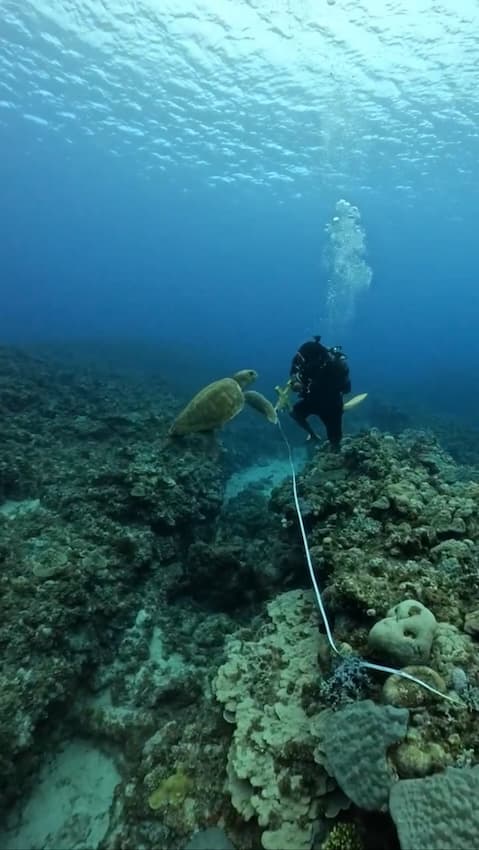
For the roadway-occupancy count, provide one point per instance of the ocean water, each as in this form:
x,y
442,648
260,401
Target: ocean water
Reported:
x,y
168,170
189,188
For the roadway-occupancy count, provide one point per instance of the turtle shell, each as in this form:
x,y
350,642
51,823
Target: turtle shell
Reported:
x,y
214,405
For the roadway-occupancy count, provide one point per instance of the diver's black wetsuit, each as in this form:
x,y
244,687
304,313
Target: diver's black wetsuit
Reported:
x,y
321,376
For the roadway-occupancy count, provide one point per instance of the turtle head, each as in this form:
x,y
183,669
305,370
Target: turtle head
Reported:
x,y
245,377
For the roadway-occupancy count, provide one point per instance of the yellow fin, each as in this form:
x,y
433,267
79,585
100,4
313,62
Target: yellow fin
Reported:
x,y
284,401
354,401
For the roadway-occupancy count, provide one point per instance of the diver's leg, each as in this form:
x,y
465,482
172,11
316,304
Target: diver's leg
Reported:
x,y
299,413
332,418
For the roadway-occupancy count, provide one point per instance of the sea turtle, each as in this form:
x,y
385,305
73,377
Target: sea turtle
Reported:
x,y
219,402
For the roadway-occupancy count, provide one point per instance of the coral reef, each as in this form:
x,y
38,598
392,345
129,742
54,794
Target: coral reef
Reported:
x,y
96,505
174,630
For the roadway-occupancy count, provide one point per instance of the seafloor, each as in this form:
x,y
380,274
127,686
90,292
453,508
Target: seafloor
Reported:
x,y
166,681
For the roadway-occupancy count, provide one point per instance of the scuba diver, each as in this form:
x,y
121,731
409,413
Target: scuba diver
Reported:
x,y
320,376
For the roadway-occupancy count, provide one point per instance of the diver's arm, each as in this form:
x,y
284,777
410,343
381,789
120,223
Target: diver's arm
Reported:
x,y
296,364
346,382
295,374
342,374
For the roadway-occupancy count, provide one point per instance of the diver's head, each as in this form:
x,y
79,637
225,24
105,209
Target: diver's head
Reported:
x,y
311,350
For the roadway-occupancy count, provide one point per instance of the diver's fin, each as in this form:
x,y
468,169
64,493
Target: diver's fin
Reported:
x,y
354,401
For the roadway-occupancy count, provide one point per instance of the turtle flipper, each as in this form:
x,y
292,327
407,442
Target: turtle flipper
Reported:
x,y
260,403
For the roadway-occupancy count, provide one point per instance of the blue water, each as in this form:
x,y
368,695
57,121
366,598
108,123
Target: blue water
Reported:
x,y
167,170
